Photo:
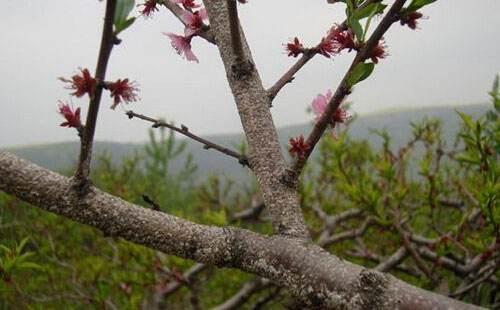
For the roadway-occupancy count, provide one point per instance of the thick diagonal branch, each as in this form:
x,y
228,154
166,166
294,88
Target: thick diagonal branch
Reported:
x,y
308,271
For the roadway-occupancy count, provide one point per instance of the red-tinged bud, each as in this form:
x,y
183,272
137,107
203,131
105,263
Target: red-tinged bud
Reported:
x,y
342,38
123,91
410,19
149,7
82,83
326,47
294,48
72,117
378,52
298,147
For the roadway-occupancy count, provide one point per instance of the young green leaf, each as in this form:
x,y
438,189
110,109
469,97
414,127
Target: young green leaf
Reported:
x,y
356,27
417,4
119,27
369,10
123,8
360,73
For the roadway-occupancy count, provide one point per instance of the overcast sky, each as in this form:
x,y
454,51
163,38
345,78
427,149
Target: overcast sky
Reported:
x,y
452,59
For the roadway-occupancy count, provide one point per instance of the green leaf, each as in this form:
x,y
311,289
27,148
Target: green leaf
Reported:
x,y
28,265
356,27
119,27
467,119
21,245
369,10
417,4
123,8
360,73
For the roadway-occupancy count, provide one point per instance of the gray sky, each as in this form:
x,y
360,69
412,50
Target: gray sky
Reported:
x,y
452,59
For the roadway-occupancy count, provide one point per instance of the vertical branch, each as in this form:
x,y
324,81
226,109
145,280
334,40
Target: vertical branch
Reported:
x,y
234,27
265,155
107,42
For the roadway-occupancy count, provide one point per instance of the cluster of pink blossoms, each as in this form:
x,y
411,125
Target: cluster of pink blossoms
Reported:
x,y
340,38
84,83
337,39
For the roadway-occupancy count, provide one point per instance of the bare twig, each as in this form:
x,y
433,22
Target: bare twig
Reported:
x,y
392,261
325,241
173,286
107,42
185,131
486,276
244,294
289,76
411,249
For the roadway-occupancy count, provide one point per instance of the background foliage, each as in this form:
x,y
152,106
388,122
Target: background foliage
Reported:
x,y
436,198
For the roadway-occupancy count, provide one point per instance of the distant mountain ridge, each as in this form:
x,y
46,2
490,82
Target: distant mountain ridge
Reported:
x,y
60,156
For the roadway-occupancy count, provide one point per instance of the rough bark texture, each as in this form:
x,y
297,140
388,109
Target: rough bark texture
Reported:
x,y
252,101
318,278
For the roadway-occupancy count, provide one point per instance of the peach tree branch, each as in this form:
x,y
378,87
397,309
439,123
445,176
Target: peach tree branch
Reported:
x,y
307,271
242,159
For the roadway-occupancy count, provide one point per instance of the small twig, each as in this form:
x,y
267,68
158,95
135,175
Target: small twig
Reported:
x,y
472,285
244,294
107,43
251,213
175,285
344,88
242,159
392,261
327,240
289,76
151,202
411,249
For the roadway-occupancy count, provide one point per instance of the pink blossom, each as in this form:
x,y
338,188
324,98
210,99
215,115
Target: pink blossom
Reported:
x,y
187,4
182,45
194,21
319,105
320,102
